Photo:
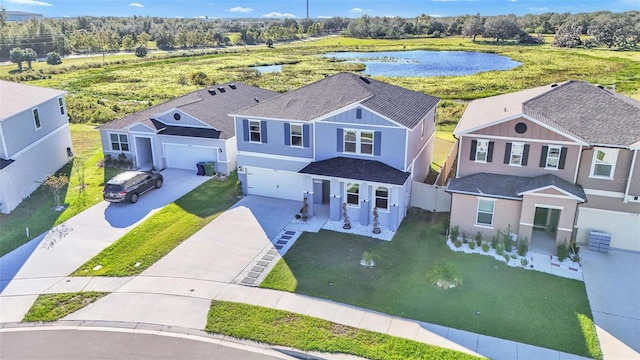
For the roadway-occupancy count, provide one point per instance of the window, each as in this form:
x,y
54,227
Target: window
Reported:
x,y
358,113
361,142
119,142
36,119
485,212
61,104
481,150
553,157
353,194
254,131
516,154
296,134
604,162
382,198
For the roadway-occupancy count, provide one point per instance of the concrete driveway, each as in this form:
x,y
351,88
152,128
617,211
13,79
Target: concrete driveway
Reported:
x,y
613,287
46,260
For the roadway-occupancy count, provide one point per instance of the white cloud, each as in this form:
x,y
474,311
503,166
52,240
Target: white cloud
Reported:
x,y
240,9
436,15
275,14
356,10
324,17
29,2
136,5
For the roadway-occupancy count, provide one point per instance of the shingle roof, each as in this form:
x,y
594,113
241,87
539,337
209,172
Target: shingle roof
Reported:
x,y
4,163
357,169
592,113
214,110
509,186
334,92
16,97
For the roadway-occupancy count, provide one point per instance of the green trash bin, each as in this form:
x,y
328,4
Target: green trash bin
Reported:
x,y
209,168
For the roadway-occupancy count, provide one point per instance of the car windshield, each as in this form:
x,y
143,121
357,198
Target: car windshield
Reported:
x,y
112,188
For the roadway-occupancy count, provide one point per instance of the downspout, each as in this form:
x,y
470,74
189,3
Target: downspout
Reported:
x,y
459,149
633,164
575,176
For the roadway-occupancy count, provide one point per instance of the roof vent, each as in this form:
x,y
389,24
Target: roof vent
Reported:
x,y
233,86
326,75
211,91
221,89
554,85
365,79
256,99
600,86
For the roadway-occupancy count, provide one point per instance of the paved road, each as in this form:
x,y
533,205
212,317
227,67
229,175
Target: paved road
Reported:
x,y
90,344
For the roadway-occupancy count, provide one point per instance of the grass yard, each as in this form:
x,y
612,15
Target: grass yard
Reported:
x,y
516,304
51,307
163,231
306,333
37,211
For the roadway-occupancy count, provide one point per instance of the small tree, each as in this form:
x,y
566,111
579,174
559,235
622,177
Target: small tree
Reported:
x,y
79,167
30,56
56,183
376,221
53,58
198,78
141,51
345,217
16,55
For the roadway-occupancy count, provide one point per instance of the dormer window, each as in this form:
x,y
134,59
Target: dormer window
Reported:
x,y
482,150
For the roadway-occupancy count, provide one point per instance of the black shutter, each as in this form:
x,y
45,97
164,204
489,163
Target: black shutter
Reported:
x,y
563,158
287,134
305,135
263,131
525,155
377,143
490,152
245,129
474,145
543,156
507,153
340,140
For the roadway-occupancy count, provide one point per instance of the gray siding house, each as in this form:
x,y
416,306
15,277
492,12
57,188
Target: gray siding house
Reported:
x,y
344,139
183,131
553,162
35,140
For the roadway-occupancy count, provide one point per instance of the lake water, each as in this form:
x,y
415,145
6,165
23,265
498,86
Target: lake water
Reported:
x,y
268,68
426,63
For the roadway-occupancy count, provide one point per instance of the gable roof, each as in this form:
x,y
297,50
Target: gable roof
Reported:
x,y
510,186
16,97
201,104
583,111
334,92
357,169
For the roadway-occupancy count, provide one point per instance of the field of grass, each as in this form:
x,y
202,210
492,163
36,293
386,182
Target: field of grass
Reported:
x,y
163,231
307,333
37,211
51,307
496,300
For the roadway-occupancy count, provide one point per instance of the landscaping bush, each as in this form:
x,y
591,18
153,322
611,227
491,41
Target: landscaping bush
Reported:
x,y
485,247
472,245
198,78
53,58
453,233
478,238
464,237
445,275
457,243
524,261
494,242
500,249
141,51
562,251
506,257
522,246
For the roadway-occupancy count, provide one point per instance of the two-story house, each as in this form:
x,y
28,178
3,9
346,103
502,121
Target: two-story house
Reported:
x,y
183,131
555,161
35,139
345,140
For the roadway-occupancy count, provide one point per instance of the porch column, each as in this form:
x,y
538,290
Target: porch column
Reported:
x,y
335,209
308,195
394,212
364,212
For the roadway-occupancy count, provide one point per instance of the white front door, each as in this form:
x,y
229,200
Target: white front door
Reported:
x,y
180,156
274,183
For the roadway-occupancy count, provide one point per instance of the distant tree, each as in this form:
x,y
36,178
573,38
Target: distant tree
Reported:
x,y
198,78
501,28
128,42
3,16
141,51
17,56
53,58
30,56
143,38
473,26
568,35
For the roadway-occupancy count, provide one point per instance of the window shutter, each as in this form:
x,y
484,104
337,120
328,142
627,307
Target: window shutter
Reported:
x,y
563,158
287,134
263,131
525,155
245,129
507,153
377,142
490,152
340,140
474,145
358,113
543,156
305,135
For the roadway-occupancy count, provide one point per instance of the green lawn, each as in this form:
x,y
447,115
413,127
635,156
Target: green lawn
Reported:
x,y
37,211
163,231
51,307
515,304
306,333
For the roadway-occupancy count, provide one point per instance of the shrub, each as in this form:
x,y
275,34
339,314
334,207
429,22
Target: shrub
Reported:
x,y
472,245
500,249
522,245
478,238
485,247
453,233
53,58
445,226
457,243
524,261
141,51
506,238
445,275
198,78
506,257
494,242
464,237
562,251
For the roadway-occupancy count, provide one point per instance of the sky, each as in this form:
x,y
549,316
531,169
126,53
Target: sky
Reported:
x,y
317,8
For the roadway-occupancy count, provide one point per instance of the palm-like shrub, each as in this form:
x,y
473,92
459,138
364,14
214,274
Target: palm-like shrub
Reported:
x,y
445,275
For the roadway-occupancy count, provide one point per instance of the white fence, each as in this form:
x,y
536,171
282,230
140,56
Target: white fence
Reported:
x,y
430,197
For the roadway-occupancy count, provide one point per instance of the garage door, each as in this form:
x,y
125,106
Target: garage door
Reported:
x,y
622,226
274,183
185,157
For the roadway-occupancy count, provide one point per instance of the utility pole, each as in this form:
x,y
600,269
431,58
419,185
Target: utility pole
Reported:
x,y
307,9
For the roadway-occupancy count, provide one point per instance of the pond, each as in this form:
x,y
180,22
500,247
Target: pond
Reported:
x,y
264,69
426,63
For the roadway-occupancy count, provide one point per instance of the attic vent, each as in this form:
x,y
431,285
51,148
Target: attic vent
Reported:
x,y
221,89
233,86
256,99
176,116
212,91
365,79
554,85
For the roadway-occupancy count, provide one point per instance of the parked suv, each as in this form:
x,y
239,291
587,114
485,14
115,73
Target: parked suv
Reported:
x,y
129,185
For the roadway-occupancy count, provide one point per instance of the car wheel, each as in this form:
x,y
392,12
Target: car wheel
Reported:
x,y
158,183
134,198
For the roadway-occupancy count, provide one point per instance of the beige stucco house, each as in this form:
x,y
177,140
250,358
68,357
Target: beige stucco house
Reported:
x,y
553,162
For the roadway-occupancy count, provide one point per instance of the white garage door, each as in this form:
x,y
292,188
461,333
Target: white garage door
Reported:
x,y
274,183
185,157
622,226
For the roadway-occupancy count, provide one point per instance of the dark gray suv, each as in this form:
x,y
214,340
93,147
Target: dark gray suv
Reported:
x,y
129,185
